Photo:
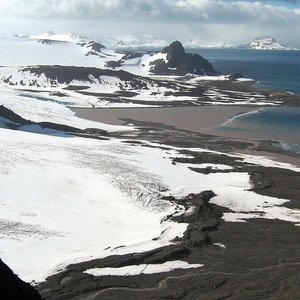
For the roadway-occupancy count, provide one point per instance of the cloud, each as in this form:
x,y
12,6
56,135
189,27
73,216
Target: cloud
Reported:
x,y
58,8
219,11
222,20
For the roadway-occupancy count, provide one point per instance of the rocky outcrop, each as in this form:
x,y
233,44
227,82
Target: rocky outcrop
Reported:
x,y
13,288
12,120
178,62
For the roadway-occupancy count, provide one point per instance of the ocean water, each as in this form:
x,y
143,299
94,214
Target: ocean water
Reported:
x,y
278,70
273,123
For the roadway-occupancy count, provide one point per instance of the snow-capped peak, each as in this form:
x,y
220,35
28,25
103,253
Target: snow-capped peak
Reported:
x,y
61,37
265,43
144,42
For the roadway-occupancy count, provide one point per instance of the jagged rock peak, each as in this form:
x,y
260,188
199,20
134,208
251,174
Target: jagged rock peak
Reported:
x,y
178,62
175,53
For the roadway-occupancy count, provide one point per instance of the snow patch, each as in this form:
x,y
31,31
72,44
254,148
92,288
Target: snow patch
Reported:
x,y
143,269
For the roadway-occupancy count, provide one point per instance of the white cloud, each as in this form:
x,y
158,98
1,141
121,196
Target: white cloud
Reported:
x,y
220,20
211,10
58,8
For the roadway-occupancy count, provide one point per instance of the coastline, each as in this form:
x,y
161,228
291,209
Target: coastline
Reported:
x,y
203,119
235,253
192,118
167,206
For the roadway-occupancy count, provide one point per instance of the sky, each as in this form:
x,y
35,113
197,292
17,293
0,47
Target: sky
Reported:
x,y
207,22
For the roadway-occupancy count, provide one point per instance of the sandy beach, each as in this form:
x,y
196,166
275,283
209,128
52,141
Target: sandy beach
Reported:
x,y
196,118
204,119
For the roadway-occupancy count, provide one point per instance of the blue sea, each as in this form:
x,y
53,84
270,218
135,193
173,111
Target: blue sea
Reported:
x,y
278,70
269,123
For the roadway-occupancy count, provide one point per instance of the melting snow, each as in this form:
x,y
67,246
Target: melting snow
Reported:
x,y
143,269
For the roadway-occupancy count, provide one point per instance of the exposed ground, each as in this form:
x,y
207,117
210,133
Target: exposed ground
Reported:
x,y
257,259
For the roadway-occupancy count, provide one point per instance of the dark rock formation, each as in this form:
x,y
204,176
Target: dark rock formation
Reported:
x,y
13,288
175,53
180,63
205,219
66,74
73,282
10,116
57,75
14,121
95,47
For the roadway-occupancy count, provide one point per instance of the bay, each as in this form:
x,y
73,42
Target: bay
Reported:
x,y
277,70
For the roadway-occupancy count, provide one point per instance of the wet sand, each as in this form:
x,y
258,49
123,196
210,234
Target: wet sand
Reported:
x,y
203,119
200,119
197,118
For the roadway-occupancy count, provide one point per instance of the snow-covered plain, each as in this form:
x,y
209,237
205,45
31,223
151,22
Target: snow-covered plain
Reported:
x,y
66,200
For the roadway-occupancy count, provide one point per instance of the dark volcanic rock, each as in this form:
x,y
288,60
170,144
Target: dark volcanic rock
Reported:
x,y
11,116
180,63
13,288
175,54
66,74
57,75
14,121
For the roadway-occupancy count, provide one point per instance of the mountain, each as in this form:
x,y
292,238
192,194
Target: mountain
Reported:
x,y
264,43
80,72
53,37
128,42
178,62
69,49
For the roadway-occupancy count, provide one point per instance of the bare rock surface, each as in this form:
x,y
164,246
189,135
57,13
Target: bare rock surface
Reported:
x,y
13,288
180,63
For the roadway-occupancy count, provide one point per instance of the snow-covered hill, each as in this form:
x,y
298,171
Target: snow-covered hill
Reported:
x,y
73,50
265,43
78,72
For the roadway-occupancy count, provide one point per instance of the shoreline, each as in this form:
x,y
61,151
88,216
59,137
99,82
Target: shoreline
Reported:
x,y
203,120
207,116
164,189
234,254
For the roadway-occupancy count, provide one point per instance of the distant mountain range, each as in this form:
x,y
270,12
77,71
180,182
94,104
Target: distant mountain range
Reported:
x,y
264,43
148,42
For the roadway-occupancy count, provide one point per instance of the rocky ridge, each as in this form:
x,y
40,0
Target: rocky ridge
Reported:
x,y
178,62
13,288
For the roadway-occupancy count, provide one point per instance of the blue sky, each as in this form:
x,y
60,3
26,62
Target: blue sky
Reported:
x,y
210,22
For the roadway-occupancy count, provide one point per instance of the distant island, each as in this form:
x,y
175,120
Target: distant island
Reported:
x,y
264,43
